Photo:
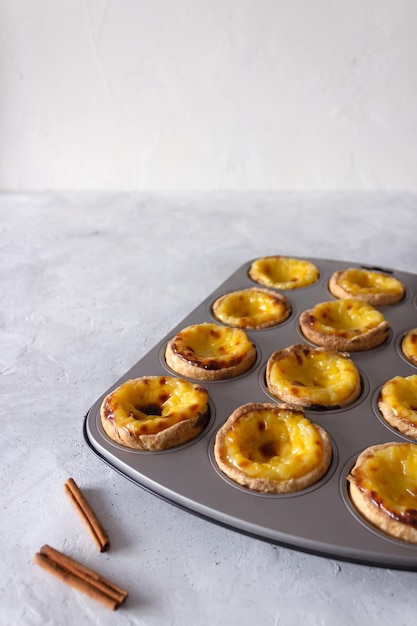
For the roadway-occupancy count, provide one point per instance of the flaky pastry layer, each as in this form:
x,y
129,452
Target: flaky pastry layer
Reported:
x,y
383,488
409,346
272,448
154,412
309,377
209,351
370,286
252,308
398,404
345,325
281,272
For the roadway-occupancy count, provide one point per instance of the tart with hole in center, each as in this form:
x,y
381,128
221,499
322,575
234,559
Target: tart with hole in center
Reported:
x,y
252,308
315,378
409,346
398,404
370,286
346,325
383,488
281,272
209,351
154,412
272,449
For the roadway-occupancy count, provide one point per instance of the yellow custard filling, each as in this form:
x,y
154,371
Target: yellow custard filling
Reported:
x,y
350,316
150,404
325,378
211,341
389,475
251,308
358,282
400,395
283,272
277,447
409,346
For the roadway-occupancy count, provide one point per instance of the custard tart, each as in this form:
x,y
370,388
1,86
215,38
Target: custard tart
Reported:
x,y
383,488
315,378
252,308
281,272
369,286
398,404
154,412
345,325
209,351
409,346
272,448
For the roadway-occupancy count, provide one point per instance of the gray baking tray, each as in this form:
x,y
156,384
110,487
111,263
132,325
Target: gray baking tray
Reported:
x,y
319,520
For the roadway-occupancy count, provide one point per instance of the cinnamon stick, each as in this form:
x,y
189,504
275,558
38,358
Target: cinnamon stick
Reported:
x,y
87,514
80,577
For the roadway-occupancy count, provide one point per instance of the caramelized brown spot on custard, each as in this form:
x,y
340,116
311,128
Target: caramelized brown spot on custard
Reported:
x,y
410,517
269,450
150,409
298,357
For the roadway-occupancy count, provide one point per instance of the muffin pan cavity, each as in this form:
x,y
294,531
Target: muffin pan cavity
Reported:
x,y
319,520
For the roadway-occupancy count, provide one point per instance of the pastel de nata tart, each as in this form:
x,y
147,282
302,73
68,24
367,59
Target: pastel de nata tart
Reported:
x,y
309,377
346,325
154,412
369,286
409,346
383,488
398,404
252,308
209,351
282,272
272,448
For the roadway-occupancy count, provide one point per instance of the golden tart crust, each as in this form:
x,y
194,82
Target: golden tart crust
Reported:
x,y
309,377
282,272
209,351
398,404
272,449
154,412
383,488
252,308
369,286
346,325
409,346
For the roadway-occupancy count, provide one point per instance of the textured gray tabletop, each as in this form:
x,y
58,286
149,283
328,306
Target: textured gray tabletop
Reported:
x,y
90,283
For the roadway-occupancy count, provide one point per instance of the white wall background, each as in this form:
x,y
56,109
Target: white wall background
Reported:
x,y
208,94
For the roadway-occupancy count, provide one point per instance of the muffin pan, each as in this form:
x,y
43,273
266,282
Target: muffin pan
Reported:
x,y
320,519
